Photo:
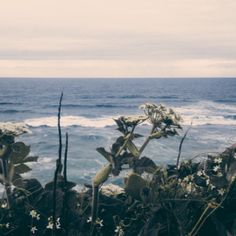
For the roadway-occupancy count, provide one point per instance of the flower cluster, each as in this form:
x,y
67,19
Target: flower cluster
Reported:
x,y
34,215
98,221
119,231
6,226
4,205
50,223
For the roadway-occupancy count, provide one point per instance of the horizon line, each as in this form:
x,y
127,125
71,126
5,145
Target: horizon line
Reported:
x,y
121,77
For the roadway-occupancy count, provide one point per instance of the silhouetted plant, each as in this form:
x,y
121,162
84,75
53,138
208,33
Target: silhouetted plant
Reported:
x,y
187,199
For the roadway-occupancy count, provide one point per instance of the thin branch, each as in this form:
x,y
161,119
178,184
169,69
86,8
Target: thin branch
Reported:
x,y
65,160
65,205
58,166
59,133
147,140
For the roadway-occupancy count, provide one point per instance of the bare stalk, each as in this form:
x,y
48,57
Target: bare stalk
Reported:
x,y
65,205
58,166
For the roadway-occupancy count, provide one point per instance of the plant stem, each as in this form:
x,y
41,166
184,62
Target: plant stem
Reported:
x,y
65,205
147,140
94,207
125,143
58,166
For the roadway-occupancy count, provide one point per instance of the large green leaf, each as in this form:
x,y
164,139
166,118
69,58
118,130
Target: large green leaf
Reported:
x,y
19,152
30,159
21,169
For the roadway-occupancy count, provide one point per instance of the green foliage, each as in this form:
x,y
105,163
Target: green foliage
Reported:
x,y
14,157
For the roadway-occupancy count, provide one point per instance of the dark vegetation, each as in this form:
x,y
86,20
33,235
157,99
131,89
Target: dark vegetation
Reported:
x,y
189,198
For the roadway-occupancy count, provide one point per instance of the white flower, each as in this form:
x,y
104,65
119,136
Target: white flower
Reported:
x,y
4,205
221,191
199,173
33,230
7,225
216,168
118,229
207,181
33,213
235,155
58,224
188,178
212,186
50,225
89,219
99,222
218,160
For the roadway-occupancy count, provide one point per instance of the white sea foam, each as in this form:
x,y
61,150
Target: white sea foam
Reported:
x,y
71,121
200,113
207,113
14,128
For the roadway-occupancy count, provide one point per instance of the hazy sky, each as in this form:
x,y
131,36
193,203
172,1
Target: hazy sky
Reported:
x,y
103,38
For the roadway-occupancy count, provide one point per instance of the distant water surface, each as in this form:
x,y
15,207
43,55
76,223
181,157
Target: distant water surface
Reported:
x,y
89,106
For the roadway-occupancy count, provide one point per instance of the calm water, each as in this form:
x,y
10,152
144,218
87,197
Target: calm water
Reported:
x,y
90,104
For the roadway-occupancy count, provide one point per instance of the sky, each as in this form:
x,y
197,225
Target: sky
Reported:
x,y
110,38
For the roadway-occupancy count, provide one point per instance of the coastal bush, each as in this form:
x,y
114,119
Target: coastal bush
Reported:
x,y
189,198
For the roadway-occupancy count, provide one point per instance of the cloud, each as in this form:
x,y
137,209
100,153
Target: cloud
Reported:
x,y
118,38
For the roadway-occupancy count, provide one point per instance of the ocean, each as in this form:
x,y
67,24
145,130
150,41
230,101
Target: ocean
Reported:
x,y
89,106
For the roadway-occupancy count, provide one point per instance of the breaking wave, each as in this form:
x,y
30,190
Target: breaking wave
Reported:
x,y
201,113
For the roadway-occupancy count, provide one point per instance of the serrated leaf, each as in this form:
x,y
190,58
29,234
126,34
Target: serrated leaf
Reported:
x,y
22,168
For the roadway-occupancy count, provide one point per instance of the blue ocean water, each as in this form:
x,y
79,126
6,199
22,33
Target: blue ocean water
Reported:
x,y
90,104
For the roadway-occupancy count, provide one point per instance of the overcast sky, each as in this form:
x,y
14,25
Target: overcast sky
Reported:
x,y
110,38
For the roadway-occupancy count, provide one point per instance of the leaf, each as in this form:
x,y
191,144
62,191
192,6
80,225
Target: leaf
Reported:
x,y
137,135
116,146
144,164
60,184
134,184
22,168
17,181
6,139
30,159
120,125
156,135
105,154
19,152
102,175
133,149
